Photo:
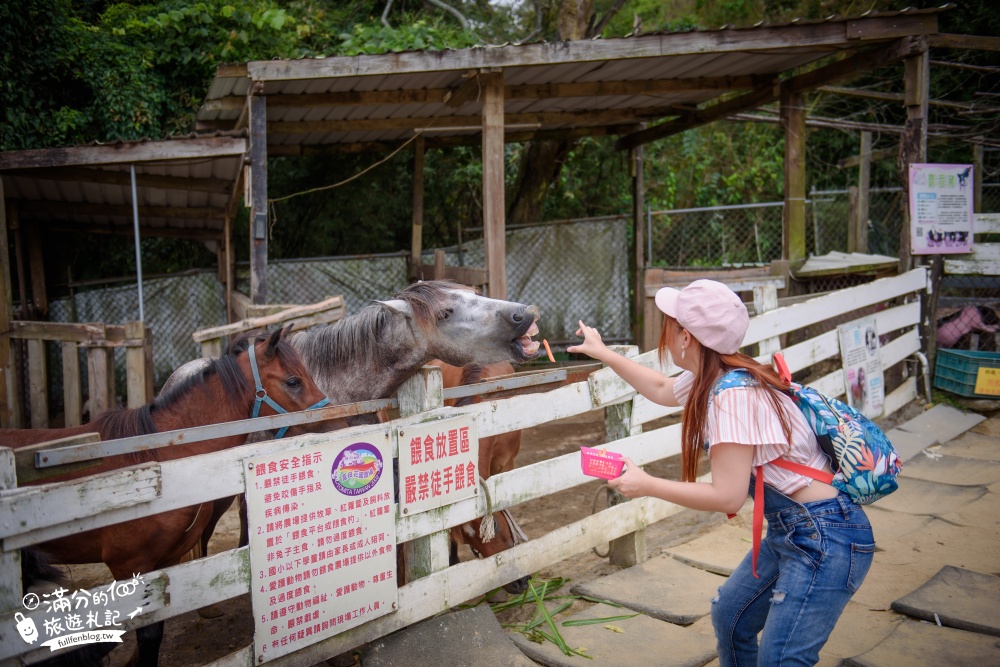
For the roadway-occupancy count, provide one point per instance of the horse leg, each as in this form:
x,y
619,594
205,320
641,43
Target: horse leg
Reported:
x,y
148,639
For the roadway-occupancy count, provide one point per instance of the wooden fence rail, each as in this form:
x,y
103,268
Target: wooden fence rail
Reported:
x,y
31,515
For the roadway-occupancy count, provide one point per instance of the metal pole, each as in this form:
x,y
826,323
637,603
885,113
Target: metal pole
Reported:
x,y
138,255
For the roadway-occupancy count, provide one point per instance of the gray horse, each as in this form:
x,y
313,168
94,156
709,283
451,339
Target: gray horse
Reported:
x,y
371,353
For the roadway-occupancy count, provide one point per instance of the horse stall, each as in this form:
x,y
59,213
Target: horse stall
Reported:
x,y
99,341
339,620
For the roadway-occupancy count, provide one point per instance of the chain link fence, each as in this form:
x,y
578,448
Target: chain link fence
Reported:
x,y
570,270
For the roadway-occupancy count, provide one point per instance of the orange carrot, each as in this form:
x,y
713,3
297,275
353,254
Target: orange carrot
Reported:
x,y
548,350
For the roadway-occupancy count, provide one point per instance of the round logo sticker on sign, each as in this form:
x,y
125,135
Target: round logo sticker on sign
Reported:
x,y
356,469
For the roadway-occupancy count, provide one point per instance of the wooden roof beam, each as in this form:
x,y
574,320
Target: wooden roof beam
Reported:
x,y
63,208
841,69
814,35
607,117
970,42
84,175
890,97
124,153
146,231
453,98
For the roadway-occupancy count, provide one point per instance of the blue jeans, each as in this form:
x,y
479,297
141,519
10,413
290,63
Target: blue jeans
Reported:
x,y
812,560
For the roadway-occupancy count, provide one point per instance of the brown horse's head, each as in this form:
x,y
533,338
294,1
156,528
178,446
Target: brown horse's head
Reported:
x,y
284,382
507,534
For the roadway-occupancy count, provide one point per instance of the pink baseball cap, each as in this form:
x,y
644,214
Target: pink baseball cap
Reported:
x,y
712,312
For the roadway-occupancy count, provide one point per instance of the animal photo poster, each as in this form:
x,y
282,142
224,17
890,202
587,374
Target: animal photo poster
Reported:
x,y
941,208
862,355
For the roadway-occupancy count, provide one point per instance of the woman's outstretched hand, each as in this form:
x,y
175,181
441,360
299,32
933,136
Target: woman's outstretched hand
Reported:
x,y
631,483
592,344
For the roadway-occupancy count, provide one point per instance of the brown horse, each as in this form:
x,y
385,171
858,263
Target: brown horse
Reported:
x,y
496,455
265,375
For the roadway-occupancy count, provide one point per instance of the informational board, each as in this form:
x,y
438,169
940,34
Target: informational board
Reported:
x,y
862,355
941,208
322,541
438,463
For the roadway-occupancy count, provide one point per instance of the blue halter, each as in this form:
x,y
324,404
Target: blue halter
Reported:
x,y
261,394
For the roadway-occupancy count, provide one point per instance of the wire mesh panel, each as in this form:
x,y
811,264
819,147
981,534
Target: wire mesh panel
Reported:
x,y
174,307
715,235
572,271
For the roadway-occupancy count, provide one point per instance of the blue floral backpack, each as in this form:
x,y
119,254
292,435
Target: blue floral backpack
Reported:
x,y
864,462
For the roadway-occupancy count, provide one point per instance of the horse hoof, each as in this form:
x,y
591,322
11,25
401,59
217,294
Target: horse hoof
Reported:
x,y
212,611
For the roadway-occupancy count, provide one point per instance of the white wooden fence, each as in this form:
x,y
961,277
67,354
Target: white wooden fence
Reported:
x,y
34,514
984,260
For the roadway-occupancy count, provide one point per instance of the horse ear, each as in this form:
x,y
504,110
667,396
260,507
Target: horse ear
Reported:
x,y
287,330
272,343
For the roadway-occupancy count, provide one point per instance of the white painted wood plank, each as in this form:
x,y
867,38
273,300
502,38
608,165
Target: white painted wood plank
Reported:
x,y
645,410
799,315
977,267
986,223
832,384
27,508
426,597
900,396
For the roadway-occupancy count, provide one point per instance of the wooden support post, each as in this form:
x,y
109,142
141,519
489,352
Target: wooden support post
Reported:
x,y
135,365
417,242
793,116
425,555
72,387
977,174
494,210
100,379
852,218
10,561
36,264
637,263
38,383
864,185
913,142
630,549
258,196
439,264
8,390
147,351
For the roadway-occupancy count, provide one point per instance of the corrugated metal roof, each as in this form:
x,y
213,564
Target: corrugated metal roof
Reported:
x,y
184,184
607,85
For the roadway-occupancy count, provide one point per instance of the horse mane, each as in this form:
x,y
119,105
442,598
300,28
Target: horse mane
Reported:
x,y
471,374
359,336
127,422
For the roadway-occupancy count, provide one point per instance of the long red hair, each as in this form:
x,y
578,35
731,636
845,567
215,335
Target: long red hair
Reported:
x,y
695,415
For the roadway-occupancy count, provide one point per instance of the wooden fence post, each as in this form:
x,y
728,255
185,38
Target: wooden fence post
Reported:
x,y
38,383
72,388
630,549
425,555
765,298
101,377
10,562
135,364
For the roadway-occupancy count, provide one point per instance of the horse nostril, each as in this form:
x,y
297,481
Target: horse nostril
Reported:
x,y
518,317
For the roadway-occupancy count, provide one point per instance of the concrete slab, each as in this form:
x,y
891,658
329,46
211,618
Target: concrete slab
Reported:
x,y
888,525
661,587
957,470
972,445
916,496
858,629
942,422
634,642
904,564
982,513
917,644
908,445
719,551
466,638
957,598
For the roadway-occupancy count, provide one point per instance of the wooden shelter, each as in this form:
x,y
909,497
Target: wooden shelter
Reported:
x,y
638,89
515,93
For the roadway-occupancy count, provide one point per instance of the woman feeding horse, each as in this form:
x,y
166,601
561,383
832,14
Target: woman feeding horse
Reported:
x,y
819,544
